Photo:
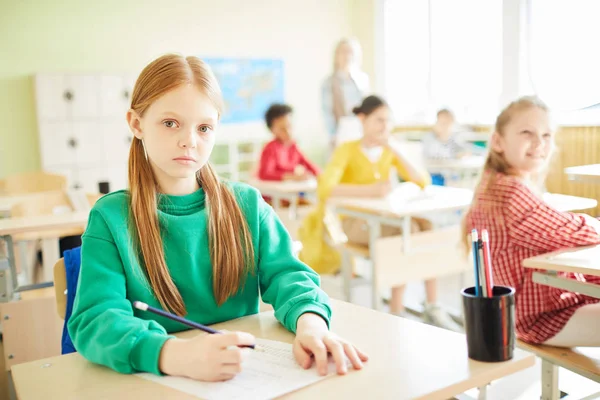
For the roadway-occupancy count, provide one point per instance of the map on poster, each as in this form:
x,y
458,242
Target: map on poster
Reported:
x,y
249,86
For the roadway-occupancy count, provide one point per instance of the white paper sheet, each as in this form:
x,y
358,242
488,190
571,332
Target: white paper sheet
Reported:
x,y
265,375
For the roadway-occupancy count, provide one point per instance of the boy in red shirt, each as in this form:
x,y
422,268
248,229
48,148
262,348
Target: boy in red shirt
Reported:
x,y
281,159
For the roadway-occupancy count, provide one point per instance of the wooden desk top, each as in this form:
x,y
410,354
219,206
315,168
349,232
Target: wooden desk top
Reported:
x,y
563,202
12,226
8,201
466,163
585,260
407,360
408,200
405,200
286,187
585,358
588,171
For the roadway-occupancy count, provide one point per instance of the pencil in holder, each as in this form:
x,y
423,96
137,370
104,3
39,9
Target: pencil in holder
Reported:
x,y
490,324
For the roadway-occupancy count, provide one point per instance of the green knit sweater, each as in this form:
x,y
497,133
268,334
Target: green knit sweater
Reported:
x,y
107,330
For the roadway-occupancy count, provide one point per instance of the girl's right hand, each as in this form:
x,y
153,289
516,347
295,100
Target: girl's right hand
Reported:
x,y
380,189
206,357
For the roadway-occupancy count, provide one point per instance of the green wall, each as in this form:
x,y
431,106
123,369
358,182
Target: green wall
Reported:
x,y
124,35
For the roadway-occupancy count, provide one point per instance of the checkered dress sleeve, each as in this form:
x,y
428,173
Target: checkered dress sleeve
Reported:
x,y
535,225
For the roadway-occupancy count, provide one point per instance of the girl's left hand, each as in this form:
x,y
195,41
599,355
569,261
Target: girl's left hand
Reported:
x,y
315,341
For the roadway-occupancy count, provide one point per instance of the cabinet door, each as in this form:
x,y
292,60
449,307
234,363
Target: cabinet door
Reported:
x,y
117,141
50,97
58,144
88,179
115,95
85,91
89,143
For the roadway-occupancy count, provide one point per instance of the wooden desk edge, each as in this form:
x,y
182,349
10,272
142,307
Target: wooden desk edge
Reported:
x,y
508,368
544,261
339,209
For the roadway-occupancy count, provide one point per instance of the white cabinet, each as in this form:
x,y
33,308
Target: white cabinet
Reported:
x,y
117,137
236,158
115,96
82,129
58,137
83,96
89,143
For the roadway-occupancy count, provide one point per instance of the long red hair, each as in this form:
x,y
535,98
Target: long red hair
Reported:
x,y
230,242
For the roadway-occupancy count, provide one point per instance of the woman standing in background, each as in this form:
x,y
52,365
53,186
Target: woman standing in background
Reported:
x,y
345,88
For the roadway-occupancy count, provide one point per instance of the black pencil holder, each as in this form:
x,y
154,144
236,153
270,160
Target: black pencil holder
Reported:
x,y
104,187
490,324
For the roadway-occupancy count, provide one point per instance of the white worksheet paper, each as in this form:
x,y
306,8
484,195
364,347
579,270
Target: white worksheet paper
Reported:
x,y
266,374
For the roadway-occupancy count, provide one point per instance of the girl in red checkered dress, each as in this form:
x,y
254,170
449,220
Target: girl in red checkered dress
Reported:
x,y
509,205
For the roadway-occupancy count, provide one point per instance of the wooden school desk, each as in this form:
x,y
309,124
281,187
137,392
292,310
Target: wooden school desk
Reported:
x,y
397,210
285,190
563,202
584,173
583,361
8,201
41,223
408,360
584,260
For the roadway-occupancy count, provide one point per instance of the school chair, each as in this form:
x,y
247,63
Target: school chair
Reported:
x,y
30,328
66,275
46,203
60,287
433,254
32,182
584,361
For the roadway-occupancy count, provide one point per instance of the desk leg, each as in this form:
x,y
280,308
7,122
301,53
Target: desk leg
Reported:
x,y
13,269
374,234
406,234
276,202
482,393
27,264
51,254
293,208
549,381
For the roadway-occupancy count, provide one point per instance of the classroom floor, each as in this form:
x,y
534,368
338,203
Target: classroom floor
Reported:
x,y
525,385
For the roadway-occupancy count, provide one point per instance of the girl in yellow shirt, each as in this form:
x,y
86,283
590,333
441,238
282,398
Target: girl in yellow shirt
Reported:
x,y
362,168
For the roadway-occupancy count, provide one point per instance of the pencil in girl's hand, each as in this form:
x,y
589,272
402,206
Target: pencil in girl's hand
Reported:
x,y
476,261
145,307
487,261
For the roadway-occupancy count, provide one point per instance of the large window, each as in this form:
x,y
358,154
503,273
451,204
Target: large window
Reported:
x,y
440,53
564,55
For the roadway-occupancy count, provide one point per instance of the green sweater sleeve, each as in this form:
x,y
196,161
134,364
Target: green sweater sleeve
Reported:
x,y
102,325
289,285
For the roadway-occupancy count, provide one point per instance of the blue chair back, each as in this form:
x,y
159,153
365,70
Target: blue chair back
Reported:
x,y
72,265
